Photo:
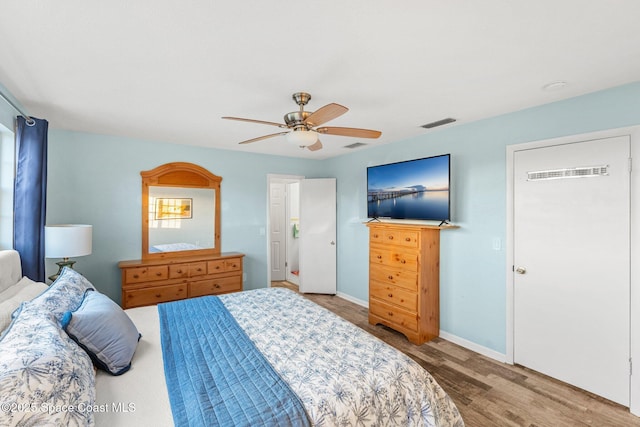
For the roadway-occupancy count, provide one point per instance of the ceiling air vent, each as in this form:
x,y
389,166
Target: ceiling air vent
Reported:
x,y
438,123
355,145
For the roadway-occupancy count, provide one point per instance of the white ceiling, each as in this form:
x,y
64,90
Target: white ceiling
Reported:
x,y
168,70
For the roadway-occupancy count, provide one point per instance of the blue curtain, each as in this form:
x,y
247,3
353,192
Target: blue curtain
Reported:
x,y
30,196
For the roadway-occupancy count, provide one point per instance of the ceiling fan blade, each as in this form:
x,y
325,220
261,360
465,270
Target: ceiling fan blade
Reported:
x,y
355,132
262,122
262,137
315,146
324,114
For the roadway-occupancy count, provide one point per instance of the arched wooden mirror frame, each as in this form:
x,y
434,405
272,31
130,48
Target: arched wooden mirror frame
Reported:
x,y
184,175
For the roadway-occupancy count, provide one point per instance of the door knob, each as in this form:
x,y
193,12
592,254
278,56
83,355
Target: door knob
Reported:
x,y
521,270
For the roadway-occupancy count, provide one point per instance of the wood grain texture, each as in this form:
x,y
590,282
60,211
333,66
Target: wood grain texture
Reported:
x,y
489,393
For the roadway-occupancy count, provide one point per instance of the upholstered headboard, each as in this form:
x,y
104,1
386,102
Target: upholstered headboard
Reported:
x,y
10,268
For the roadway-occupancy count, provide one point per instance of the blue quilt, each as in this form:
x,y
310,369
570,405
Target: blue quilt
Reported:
x,y
215,374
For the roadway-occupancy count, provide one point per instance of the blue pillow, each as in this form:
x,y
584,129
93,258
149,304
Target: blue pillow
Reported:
x,y
104,331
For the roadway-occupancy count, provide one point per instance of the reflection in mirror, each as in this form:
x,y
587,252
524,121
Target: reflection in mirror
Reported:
x,y
181,219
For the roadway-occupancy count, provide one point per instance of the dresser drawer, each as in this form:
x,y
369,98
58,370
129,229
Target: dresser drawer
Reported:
x,y
178,271
376,236
396,259
394,295
146,274
154,295
402,318
233,264
406,238
197,269
219,285
407,279
222,265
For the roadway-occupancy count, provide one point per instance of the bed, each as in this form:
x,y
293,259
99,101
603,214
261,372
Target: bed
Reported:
x,y
259,357
173,247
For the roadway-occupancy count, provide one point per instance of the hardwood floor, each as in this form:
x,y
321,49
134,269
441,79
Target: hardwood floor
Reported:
x,y
489,393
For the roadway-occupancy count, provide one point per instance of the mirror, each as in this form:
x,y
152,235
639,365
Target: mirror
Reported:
x,y
180,211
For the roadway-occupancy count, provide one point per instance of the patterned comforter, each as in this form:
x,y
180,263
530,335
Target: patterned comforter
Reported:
x,y
343,375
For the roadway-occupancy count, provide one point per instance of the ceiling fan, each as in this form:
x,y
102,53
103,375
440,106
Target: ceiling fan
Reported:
x,y
303,125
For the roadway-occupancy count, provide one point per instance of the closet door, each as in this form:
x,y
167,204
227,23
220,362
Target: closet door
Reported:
x,y
572,263
318,236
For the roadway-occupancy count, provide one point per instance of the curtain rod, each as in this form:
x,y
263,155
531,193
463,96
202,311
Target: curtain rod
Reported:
x,y
29,120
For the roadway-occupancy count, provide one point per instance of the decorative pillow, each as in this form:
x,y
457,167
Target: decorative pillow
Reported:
x,y
46,378
104,331
65,294
11,298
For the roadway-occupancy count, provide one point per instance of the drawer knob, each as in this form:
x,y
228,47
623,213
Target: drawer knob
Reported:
x,y
379,257
198,269
390,237
390,277
158,274
390,314
179,271
408,239
215,285
390,295
135,276
217,267
403,261
375,235
158,295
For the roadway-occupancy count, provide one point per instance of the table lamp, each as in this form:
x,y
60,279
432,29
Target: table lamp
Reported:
x,y
66,241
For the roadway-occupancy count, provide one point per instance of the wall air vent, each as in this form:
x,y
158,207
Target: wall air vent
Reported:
x,y
438,123
584,172
355,145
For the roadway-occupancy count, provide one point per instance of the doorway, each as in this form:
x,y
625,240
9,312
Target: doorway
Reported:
x,y
301,244
284,223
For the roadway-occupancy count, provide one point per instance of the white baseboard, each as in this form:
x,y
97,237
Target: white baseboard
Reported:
x,y
492,354
349,298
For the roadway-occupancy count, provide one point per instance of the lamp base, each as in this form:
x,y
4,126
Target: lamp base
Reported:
x,y
61,264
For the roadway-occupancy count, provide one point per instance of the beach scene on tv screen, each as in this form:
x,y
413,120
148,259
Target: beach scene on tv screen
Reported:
x,y
417,189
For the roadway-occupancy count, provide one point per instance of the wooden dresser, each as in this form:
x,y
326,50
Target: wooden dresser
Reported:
x,y
153,281
404,275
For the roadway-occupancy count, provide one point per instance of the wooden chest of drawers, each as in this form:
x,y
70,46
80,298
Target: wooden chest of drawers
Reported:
x,y
404,274
154,281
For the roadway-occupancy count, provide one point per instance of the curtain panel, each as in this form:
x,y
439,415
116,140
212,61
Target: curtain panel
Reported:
x,y
30,196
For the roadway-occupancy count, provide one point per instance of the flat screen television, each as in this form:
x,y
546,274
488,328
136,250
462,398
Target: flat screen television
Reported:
x,y
413,189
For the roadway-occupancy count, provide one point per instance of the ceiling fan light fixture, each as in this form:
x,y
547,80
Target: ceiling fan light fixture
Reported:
x,y
302,138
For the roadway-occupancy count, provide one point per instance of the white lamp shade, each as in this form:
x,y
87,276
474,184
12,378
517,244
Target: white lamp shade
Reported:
x,y
67,240
302,138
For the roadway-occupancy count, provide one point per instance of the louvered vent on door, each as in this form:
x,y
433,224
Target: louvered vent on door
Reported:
x,y
584,172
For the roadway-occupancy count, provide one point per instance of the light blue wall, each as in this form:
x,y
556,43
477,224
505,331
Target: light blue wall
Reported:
x,y
472,273
95,179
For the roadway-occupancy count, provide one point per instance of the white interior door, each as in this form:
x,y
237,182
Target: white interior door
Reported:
x,y
277,230
572,262
318,236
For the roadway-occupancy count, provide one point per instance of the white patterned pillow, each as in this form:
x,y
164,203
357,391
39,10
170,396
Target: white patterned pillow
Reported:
x,y
12,297
45,378
65,294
